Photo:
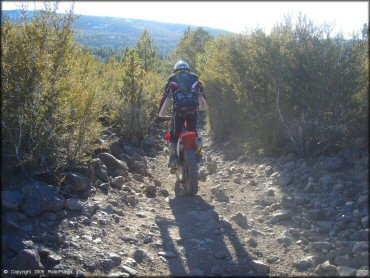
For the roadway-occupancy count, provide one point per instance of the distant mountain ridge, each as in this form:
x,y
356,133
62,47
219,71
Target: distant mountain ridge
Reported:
x,y
118,33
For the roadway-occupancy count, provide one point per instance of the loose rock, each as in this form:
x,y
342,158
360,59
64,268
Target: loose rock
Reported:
x,y
118,182
284,179
303,263
362,273
259,266
326,269
317,214
107,264
268,171
240,219
217,270
219,194
327,180
285,241
129,270
54,258
280,215
212,167
334,163
89,264
252,242
73,204
140,255
320,245
346,271
220,255
361,235
150,190
164,192
167,254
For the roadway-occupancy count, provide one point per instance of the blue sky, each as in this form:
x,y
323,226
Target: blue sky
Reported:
x,y
235,16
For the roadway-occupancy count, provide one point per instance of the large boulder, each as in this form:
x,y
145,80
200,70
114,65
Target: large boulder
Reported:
x,y
13,218
11,199
75,182
136,163
140,167
100,170
113,164
148,143
40,197
16,244
27,259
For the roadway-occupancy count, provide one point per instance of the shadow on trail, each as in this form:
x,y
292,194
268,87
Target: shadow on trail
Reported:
x,y
210,246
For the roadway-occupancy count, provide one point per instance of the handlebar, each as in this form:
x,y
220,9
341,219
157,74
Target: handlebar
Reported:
x,y
162,119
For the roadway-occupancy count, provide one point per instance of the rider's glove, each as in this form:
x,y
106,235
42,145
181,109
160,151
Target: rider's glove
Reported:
x,y
157,119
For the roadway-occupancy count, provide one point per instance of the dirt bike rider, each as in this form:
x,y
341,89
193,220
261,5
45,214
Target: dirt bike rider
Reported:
x,y
188,98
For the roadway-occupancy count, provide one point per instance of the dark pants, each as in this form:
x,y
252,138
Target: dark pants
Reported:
x,y
178,123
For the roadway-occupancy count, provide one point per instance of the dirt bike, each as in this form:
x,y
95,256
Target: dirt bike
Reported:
x,y
188,150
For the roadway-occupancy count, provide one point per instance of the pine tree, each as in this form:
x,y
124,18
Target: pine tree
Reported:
x,y
191,45
132,118
146,51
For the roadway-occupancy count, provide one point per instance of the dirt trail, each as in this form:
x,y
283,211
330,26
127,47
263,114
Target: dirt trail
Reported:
x,y
251,217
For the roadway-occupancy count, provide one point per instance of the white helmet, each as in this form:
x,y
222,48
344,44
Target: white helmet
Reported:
x,y
181,65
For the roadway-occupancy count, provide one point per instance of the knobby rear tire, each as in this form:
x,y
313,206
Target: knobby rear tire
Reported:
x,y
191,176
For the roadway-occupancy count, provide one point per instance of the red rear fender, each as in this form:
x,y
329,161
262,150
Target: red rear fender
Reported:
x,y
188,139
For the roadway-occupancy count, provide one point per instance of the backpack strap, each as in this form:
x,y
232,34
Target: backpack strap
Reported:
x,y
182,81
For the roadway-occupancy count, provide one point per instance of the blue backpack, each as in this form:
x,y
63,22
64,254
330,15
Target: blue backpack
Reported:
x,y
185,98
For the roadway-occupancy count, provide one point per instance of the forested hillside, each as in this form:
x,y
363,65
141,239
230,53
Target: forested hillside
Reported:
x,y
107,35
294,90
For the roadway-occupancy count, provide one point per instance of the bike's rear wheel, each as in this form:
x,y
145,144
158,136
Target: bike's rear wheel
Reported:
x,y
191,172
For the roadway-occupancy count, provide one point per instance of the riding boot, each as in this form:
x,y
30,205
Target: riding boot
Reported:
x,y
173,156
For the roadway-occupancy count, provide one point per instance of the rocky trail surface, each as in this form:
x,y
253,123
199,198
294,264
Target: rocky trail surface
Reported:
x,y
118,217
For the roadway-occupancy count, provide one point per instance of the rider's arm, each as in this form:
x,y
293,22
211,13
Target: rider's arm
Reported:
x,y
165,101
202,98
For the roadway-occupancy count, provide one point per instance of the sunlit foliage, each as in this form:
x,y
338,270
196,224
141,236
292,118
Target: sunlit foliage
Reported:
x,y
297,89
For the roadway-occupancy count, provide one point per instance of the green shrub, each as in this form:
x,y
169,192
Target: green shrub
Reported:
x,y
296,89
50,93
